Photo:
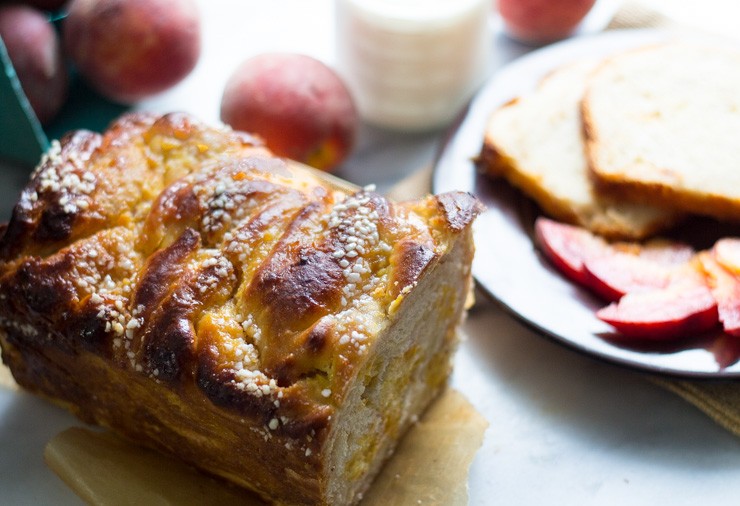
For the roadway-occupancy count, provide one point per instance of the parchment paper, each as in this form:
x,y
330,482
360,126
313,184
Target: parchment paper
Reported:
x,y
430,466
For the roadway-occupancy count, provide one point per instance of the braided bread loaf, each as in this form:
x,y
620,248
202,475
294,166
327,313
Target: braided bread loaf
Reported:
x,y
180,285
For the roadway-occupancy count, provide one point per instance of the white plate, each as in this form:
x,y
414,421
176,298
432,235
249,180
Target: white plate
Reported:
x,y
507,265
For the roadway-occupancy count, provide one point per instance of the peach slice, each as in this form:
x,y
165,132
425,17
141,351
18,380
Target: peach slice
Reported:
x,y
568,247
665,252
614,276
631,267
680,310
661,286
609,270
727,252
725,287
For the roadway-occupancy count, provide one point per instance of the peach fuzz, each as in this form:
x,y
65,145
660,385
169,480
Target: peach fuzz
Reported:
x,y
128,50
297,104
542,21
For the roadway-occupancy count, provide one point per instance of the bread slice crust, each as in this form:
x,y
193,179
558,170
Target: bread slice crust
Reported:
x,y
535,142
658,124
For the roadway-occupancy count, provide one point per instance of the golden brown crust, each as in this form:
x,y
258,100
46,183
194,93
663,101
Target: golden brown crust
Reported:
x,y
179,284
648,178
496,163
663,193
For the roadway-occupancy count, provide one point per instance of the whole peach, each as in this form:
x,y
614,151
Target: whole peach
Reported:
x,y
297,104
34,50
131,49
542,21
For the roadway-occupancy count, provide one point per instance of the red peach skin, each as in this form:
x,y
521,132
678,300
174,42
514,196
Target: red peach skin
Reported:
x,y
297,104
671,313
609,270
631,267
614,276
661,287
542,21
568,247
128,50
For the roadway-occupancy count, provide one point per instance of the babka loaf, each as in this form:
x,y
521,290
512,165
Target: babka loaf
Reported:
x,y
180,285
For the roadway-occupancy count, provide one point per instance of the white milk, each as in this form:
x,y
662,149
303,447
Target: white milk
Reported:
x,y
412,64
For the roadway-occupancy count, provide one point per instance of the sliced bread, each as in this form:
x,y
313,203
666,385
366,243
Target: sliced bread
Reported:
x,y
662,124
535,142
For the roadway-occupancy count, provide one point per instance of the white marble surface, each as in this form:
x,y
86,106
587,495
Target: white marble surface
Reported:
x,y
567,430
564,429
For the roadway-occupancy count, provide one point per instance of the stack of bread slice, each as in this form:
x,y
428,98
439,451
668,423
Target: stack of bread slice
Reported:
x,y
626,145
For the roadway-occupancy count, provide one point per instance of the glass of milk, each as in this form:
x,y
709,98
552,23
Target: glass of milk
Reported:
x,y
412,64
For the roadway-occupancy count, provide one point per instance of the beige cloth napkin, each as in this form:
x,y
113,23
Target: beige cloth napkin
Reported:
x,y
637,15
